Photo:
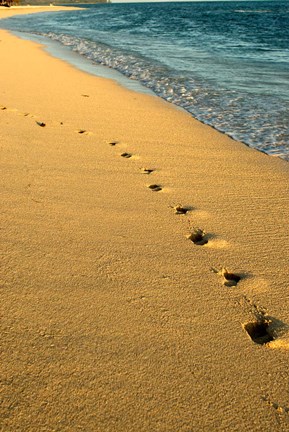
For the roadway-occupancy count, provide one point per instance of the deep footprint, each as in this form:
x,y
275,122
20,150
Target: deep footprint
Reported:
x,y
113,143
229,279
198,237
155,187
259,331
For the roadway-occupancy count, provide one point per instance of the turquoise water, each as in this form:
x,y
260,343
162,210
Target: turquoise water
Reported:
x,y
227,63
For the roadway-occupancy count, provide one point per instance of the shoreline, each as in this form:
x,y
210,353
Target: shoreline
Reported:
x,y
112,317
56,49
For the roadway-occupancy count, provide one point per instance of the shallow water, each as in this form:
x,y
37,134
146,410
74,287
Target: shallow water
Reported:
x,y
227,63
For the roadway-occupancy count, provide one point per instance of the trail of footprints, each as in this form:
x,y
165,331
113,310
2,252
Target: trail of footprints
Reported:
x,y
38,122
263,329
24,114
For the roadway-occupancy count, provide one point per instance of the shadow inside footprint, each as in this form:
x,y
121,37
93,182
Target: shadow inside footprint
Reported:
x,y
181,210
113,143
41,124
126,155
259,331
147,170
155,187
198,237
230,279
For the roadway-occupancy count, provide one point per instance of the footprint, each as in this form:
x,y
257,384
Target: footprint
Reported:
x,y
265,329
155,187
3,108
83,132
259,330
41,124
198,237
26,114
85,95
281,409
146,170
229,279
180,210
126,155
113,143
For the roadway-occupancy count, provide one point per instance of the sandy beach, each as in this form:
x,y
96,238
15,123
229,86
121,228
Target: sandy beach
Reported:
x,y
119,214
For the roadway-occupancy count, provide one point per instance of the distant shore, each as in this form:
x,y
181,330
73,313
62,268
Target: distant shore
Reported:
x,y
119,217
6,12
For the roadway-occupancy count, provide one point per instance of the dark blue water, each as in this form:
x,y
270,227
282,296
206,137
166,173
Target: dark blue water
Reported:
x,y
227,63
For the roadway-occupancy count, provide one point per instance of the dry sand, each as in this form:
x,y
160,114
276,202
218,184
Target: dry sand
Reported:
x,y
112,319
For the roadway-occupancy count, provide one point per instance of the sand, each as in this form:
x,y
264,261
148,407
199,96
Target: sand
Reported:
x,y
112,318
25,10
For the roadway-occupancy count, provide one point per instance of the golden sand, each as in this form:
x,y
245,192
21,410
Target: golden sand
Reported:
x,y
113,317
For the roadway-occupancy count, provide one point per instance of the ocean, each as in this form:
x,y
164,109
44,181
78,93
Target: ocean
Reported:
x,y
226,63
